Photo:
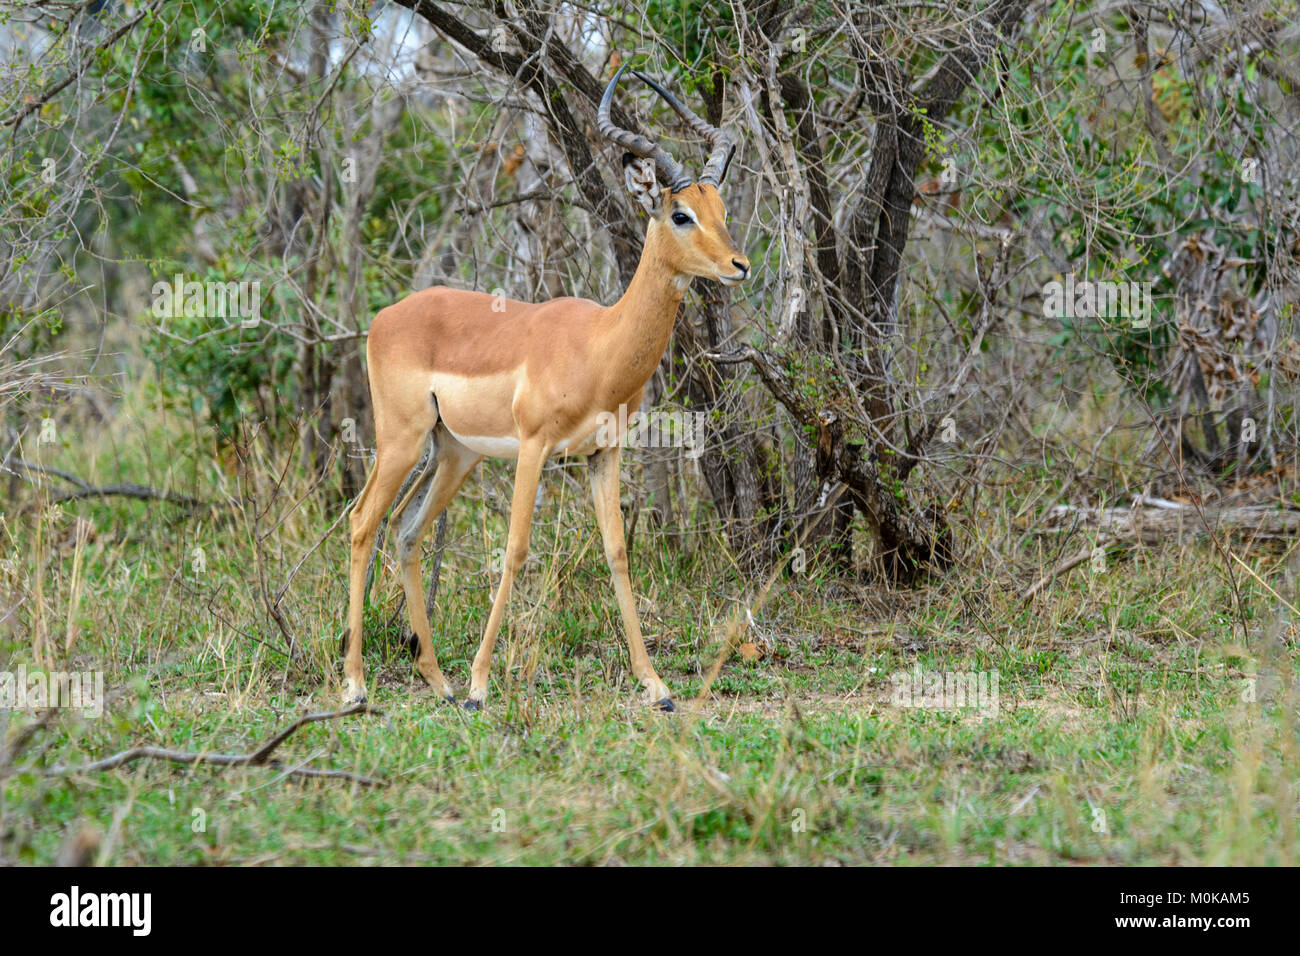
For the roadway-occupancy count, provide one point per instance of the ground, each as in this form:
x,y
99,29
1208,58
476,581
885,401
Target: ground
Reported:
x,y
1143,715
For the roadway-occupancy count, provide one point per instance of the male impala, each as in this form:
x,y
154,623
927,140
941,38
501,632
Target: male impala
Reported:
x,y
527,382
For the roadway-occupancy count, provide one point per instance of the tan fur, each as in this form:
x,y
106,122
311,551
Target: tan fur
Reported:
x,y
447,363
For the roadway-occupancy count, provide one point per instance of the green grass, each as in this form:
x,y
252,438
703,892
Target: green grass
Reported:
x,y
799,758
1124,731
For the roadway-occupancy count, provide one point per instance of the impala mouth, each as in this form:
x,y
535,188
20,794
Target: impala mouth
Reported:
x,y
736,279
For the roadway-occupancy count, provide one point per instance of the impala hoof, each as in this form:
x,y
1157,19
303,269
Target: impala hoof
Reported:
x,y
354,692
665,704
473,705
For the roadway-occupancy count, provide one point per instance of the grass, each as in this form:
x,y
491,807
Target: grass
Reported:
x,y
1145,712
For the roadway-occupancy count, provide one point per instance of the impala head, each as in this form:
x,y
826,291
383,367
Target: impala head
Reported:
x,y
688,222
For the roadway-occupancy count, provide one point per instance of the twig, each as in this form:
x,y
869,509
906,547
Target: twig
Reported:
x,y
130,490
84,489
1291,607
1105,541
261,757
24,736
45,470
32,105
439,547
473,209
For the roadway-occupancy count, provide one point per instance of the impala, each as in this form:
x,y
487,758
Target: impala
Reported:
x,y
476,376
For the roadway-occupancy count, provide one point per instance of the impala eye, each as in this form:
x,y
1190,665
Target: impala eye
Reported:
x,y
681,219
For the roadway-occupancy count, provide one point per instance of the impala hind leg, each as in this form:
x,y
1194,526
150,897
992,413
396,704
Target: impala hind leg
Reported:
x,y
392,464
453,463
532,456
603,473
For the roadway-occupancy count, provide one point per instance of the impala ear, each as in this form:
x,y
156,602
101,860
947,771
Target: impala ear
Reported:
x,y
639,174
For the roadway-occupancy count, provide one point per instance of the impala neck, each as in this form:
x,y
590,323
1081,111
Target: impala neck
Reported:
x,y
641,322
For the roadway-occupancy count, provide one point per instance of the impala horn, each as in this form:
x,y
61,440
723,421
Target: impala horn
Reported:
x,y
715,168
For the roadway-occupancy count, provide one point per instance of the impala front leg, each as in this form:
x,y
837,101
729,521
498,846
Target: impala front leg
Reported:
x,y
532,456
603,470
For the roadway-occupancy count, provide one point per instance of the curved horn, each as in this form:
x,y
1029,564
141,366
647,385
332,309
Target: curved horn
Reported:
x,y
672,170
715,168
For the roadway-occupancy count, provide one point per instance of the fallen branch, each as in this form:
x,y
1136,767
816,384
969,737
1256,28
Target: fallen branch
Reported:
x,y
1158,520
130,490
261,757
84,489
24,737
28,466
1068,564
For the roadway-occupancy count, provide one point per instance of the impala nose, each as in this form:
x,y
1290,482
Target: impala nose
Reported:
x,y
742,265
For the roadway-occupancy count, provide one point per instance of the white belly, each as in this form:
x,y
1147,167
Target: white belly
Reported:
x,y
490,446
508,447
